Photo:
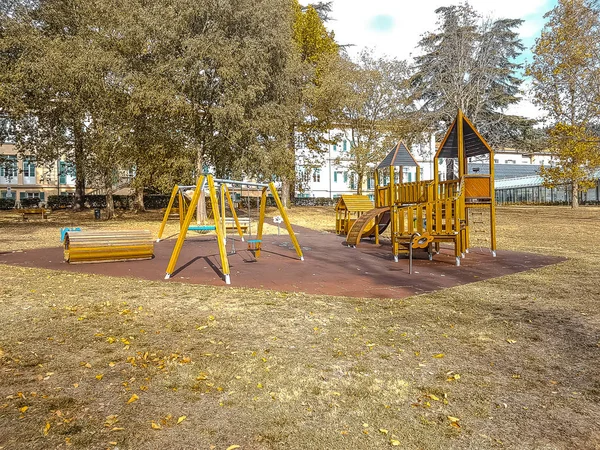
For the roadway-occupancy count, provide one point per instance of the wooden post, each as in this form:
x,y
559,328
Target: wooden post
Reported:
x,y
376,179
492,205
392,186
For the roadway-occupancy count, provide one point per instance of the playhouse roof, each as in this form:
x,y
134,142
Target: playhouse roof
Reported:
x,y
474,143
354,203
399,156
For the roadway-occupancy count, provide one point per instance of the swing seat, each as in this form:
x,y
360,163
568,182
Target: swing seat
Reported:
x,y
202,227
252,243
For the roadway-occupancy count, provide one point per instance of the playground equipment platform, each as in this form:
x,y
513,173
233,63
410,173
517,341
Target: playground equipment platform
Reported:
x,y
334,268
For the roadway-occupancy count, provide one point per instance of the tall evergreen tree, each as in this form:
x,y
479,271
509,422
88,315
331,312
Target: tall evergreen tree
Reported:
x,y
469,63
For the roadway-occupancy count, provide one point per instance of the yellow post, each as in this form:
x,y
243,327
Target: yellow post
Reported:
x,y
167,212
186,223
392,186
261,222
376,179
224,228
233,213
181,210
218,229
461,144
492,205
288,225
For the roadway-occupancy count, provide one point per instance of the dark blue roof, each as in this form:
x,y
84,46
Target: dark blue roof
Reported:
x,y
399,156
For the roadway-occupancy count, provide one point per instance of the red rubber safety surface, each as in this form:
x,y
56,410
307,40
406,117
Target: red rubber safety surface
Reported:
x,y
329,268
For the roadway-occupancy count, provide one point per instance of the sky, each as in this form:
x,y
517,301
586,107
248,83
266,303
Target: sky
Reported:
x,y
393,27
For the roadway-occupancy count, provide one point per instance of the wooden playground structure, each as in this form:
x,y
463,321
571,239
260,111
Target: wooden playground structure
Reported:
x,y
423,214
186,210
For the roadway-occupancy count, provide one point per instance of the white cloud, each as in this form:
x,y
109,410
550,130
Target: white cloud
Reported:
x,y
352,20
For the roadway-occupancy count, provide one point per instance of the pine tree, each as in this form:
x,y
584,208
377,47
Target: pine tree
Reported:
x,y
469,64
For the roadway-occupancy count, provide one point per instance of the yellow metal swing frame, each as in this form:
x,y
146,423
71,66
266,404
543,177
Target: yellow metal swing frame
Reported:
x,y
186,214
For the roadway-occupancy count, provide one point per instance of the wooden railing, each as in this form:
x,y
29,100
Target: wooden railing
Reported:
x,y
419,192
415,192
437,218
448,189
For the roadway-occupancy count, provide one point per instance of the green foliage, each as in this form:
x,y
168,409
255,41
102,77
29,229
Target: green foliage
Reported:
x,y
578,152
377,110
566,84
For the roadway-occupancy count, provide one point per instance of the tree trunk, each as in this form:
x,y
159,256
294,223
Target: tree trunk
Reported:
x,y
575,195
359,187
110,204
201,208
138,199
285,192
79,167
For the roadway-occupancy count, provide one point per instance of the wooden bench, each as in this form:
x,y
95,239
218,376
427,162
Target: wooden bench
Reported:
x,y
108,246
27,212
244,223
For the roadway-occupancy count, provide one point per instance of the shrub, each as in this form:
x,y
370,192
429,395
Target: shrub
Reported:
x,y
33,202
60,201
7,203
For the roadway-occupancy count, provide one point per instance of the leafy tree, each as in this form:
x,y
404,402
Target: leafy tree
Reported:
x,y
469,63
53,108
377,111
566,84
315,95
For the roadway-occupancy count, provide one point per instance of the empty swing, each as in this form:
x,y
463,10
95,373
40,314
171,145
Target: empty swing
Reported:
x,y
253,243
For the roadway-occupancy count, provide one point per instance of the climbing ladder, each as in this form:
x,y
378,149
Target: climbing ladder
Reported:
x,y
479,226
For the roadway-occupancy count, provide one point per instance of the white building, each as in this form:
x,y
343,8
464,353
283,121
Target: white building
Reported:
x,y
333,177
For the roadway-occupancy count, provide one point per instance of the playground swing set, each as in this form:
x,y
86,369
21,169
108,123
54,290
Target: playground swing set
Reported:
x,y
187,209
423,214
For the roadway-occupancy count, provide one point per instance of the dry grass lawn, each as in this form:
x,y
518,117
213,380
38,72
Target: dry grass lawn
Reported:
x,y
93,362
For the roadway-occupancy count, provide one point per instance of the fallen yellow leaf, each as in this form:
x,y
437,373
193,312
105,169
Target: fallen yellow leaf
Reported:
x,y
453,419
511,341
46,428
181,419
24,408
156,426
233,447
133,398
383,430
99,376
433,397
394,442
439,355
112,443
117,429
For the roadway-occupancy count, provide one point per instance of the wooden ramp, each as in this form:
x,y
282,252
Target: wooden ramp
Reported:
x,y
358,229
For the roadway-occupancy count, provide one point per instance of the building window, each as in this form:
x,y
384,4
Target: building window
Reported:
x,y
335,177
496,161
8,168
345,143
334,147
511,161
28,168
317,176
63,172
345,177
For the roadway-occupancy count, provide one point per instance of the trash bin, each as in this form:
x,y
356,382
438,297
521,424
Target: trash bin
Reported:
x,y
97,213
